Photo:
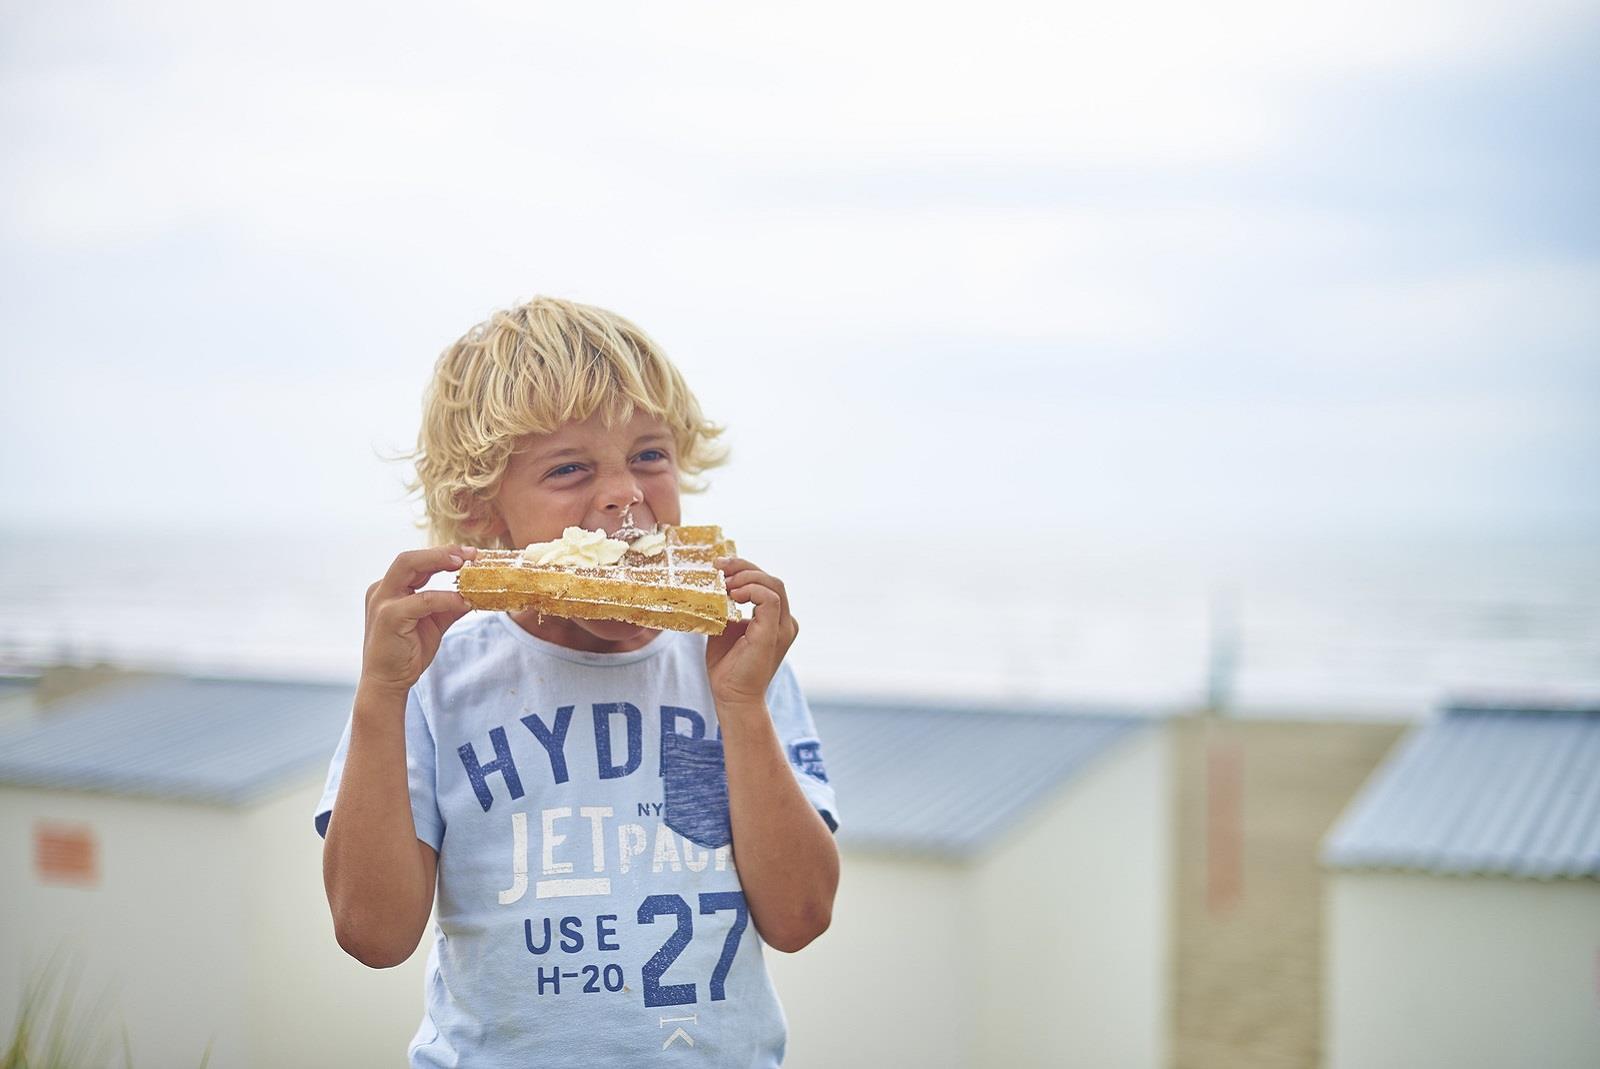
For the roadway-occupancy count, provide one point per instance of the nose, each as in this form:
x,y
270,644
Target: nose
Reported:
x,y
618,493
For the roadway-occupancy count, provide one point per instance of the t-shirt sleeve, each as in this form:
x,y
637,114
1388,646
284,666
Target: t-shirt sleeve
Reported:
x,y
420,775
797,731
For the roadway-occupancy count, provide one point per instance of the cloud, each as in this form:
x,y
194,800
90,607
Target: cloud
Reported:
x,y
1147,264
128,120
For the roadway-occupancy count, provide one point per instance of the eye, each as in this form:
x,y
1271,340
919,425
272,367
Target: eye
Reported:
x,y
651,455
565,469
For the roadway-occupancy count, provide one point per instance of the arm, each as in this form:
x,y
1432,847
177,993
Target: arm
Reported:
x,y
379,877
787,861
788,864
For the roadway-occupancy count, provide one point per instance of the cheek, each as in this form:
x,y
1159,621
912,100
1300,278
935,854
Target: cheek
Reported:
x,y
663,500
544,514
661,485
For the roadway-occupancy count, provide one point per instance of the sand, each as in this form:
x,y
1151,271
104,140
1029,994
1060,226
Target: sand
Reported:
x,y
1247,964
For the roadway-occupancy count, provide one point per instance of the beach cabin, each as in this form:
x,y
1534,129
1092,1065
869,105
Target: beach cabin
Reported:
x,y
157,859
1463,897
1004,893
1003,899
17,698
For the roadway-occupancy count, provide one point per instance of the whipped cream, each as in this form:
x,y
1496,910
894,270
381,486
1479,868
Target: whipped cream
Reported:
x,y
627,531
650,545
577,547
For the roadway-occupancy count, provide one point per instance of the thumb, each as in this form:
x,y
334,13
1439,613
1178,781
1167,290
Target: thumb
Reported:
x,y
435,624
450,616
454,608
718,645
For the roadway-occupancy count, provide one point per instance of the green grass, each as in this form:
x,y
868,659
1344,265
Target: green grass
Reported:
x,y
51,1032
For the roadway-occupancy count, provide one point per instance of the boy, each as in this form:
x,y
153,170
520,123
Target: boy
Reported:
x,y
574,788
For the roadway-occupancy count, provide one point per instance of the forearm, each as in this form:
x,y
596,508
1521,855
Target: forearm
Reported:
x,y
375,870
787,862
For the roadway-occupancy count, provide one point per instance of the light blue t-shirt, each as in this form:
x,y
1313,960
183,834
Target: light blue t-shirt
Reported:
x,y
589,912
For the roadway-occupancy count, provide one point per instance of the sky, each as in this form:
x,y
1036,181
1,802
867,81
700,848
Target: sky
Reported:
x,y
1109,271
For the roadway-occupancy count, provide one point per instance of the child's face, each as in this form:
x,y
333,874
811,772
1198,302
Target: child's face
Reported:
x,y
587,475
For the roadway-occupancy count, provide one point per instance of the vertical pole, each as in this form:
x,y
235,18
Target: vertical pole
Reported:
x,y
1224,820
1222,651
1224,761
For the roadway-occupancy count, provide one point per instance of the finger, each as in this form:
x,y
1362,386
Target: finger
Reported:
x,y
729,565
768,611
443,603
448,617
415,567
739,580
730,635
754,575
734,567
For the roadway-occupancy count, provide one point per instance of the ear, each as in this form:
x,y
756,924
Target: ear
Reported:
x,y
484,526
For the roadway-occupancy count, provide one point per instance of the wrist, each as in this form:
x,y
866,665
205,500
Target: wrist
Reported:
x,y
379,695
734,710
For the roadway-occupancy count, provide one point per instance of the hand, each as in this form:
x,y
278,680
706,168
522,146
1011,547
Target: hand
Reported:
x,y
743,659
404,627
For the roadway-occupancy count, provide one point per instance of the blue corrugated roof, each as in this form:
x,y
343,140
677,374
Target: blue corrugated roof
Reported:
x,y
950,781
912,778
225,742
1487,789
10,685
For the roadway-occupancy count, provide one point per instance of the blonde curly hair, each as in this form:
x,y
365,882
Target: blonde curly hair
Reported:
x,y
528,370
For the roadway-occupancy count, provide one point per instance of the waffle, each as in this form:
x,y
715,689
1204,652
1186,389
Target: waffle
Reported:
x,y
680,589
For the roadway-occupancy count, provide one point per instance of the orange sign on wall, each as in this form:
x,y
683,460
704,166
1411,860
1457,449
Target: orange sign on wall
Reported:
x,y
66,853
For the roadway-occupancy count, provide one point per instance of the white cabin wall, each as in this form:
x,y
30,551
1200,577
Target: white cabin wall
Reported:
x,y
163,928
310,1003
1430,971
886,984
1077,921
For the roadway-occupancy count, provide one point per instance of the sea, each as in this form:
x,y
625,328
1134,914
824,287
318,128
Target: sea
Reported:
x,y
1373,628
